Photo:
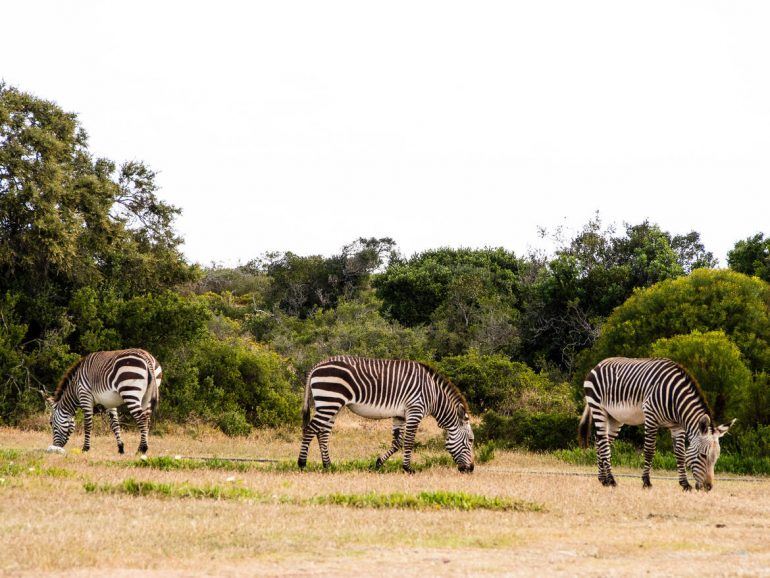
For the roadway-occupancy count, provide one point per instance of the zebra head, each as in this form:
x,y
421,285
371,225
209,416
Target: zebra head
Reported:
x,y
703,452
459,440
62,424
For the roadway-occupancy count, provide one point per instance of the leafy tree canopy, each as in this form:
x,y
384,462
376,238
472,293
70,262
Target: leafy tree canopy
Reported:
x,y
751,256
412,289
571,294
69,220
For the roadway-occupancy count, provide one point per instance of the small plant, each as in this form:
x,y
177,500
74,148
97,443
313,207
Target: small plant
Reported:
x,y
485,452
234,424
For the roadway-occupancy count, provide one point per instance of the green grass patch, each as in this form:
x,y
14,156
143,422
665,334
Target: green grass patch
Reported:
x,y
422,501
626,455
427,501
394,465
138,488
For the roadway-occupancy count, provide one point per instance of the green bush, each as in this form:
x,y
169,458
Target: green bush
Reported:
x,y
536,432
354,327
234,423
494,382
706,300
715,362
216,378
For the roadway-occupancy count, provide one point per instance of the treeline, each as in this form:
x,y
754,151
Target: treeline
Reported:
x,y
89,260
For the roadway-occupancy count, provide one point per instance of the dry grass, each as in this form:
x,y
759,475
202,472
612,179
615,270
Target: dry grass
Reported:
x,y
49,523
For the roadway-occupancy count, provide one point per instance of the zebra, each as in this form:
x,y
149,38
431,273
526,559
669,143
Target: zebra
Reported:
x,y
656,392
108,379
406,391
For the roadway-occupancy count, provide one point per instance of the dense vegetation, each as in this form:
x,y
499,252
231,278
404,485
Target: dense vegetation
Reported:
x,y
89,260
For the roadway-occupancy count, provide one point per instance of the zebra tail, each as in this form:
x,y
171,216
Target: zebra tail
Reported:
x,y
306,402
155,395
584,429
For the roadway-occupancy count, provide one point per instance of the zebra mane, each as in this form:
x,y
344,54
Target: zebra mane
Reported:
x,y
61,387
450,386
697,387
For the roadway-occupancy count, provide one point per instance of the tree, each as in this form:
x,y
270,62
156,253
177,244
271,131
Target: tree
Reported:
x,y
69,220
413,289
751,256
571,294
302,284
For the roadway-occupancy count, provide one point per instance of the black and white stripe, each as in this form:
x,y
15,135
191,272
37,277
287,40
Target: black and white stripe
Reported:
x,y
108,379
406,391
655,393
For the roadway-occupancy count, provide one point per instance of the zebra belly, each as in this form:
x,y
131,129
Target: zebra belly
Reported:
x,y
109,399
626,413
375,412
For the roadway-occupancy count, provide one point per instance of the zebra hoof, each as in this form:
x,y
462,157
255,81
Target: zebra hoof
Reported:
x,y
646,484
143,449
301,463
609,482
409,470
121,449
378,463
86,448
686,487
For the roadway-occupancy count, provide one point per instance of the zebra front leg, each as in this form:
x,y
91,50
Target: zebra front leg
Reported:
x,y
115,427
650,435
398,423
410,431
88,424
679,452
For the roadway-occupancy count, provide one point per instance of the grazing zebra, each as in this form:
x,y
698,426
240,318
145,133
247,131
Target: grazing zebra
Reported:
x,y
108,379
406,391
657,393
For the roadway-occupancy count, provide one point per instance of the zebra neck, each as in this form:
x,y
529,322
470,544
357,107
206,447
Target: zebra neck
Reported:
x,y
69,400
445,407
691,422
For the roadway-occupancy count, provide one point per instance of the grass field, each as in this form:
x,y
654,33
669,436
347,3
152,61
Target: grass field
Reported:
x,y
82,515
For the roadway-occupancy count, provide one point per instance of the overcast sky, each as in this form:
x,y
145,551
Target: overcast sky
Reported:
x,y
303,125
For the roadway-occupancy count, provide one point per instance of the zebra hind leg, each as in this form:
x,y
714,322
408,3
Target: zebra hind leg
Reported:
x,y
142,418
308,434
115,427
605,433
395,446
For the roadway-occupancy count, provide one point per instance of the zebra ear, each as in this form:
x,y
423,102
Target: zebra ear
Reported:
x,y
703,424
722,429
49,401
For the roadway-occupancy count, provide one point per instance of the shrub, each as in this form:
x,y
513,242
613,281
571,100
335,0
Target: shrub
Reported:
x,y
234,423
494,382
715,362
706,300
537,432
355,327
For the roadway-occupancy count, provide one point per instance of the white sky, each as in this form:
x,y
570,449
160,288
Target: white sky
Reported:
x,y
302,125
